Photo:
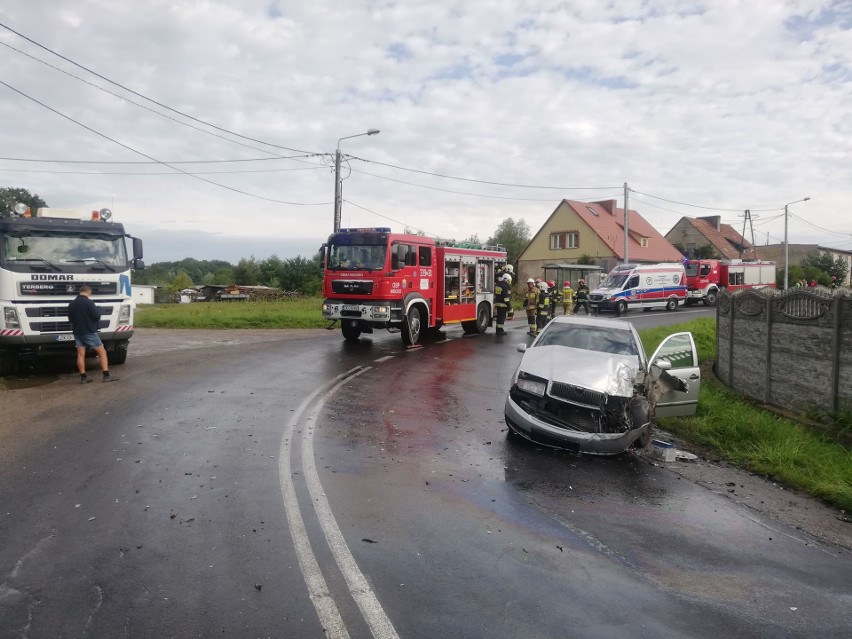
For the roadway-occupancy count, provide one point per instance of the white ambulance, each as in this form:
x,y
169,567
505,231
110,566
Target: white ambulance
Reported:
x,y
641,286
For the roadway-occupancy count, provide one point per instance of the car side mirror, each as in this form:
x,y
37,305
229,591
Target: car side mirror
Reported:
x,y
522,348
663,364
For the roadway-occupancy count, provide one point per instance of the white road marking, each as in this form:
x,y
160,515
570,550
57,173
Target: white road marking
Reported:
x,y
327,611
371,609
384,359
320,595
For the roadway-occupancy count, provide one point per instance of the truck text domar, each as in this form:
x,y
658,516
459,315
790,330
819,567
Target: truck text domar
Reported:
x,y
44,260
374,278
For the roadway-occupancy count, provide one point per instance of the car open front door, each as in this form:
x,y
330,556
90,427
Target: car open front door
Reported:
x,y
679,350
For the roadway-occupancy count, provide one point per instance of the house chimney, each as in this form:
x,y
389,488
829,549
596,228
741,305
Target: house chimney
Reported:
x,y
609,206
713,220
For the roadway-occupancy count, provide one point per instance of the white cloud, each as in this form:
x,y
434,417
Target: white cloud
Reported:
x,y
726,104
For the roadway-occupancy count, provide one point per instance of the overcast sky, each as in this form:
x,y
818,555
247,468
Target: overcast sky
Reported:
x,y
210,127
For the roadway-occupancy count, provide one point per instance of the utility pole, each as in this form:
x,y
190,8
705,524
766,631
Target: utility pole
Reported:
x,y
626,222
787,244
338,182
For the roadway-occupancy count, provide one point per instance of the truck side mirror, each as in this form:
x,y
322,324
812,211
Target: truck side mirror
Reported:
x,y
138,264
137,249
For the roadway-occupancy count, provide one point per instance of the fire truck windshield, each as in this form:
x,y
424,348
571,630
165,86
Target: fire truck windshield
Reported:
x,y
96,250
366,257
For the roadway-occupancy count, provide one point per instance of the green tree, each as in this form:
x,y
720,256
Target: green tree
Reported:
x,y
585,258
514,235
247,272
10,196
827,266
180,282
705,252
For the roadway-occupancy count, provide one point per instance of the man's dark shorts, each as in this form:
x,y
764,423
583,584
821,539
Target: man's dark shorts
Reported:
x,y
89,340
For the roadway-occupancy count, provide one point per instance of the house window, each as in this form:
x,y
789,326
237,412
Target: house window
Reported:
x,y
643,242
564,240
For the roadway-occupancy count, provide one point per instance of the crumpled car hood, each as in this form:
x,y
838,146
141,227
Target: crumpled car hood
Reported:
x,y
603,372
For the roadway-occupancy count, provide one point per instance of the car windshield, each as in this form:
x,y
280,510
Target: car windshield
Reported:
x,y
589,338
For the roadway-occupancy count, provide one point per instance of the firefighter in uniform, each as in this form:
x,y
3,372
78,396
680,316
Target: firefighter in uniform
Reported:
x,y
555,297
567,298
530,304
502,300
543,316
582,297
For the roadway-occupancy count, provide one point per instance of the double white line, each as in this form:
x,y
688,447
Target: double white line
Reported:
x,y
323,600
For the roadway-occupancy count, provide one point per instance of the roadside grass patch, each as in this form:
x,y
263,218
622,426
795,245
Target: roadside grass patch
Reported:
x,y
295,313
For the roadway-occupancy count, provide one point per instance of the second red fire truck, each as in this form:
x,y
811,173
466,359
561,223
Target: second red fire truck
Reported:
x,y
374,278
705,278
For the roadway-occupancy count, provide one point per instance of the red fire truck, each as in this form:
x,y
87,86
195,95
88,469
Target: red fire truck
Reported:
x,y
378,279
705,278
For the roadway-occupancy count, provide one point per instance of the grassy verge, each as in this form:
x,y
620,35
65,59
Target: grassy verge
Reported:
x,y
756,439
297,313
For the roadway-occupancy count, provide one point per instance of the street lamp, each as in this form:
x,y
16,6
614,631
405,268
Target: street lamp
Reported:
x,y
786,244
338,183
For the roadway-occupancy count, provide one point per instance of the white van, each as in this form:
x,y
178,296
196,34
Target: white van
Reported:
x,y
641,286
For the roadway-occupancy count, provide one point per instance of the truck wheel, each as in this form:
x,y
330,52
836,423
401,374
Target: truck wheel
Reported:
x,y
351,332
671,304
621,307
480,324
8,364
118,355
411,328
710,298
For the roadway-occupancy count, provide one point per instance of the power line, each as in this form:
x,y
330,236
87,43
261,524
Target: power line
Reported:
x,y
697,206
144,97
144,155
266,159
131,173
816,226
462,179
435,188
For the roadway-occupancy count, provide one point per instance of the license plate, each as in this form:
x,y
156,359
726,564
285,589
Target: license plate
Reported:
x,y
350,307
64,338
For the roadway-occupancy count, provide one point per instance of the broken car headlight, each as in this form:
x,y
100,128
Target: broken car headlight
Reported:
x,y
532,385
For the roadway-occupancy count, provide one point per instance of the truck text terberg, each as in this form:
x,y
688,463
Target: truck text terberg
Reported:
x,y
44,260
377,279
705,278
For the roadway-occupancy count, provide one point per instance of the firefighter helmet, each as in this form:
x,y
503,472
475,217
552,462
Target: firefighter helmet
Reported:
x,y
510,268
567,283
531,281
543,287
551,284
582,281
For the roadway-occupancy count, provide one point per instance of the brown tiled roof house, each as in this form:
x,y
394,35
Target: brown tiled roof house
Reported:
x,y
695,232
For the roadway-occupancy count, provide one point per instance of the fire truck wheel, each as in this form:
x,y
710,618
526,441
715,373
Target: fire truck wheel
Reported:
x,y
411,328
351,332
710,298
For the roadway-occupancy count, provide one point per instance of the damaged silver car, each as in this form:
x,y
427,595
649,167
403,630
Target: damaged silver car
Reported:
x,y
586,385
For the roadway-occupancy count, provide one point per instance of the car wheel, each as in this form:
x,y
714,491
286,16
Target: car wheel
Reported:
x,y
644,439
411,328
671,304
621,307
710,299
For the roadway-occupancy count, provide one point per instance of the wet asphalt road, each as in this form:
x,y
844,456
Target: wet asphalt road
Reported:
x,y
275,486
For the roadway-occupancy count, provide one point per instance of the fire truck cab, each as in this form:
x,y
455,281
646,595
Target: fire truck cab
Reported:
x,y
374,278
